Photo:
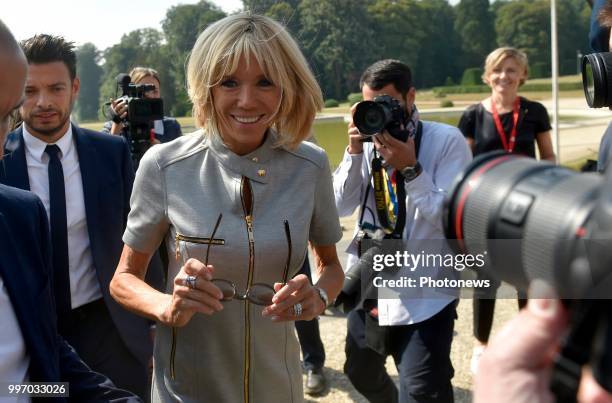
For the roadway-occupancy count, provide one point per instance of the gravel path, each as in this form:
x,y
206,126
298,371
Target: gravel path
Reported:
x,y
577,141
333,333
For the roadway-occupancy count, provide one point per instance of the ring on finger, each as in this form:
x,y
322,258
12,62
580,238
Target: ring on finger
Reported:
x,y
190,281
297,309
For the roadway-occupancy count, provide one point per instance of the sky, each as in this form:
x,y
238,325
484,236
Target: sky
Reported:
x,y
100,22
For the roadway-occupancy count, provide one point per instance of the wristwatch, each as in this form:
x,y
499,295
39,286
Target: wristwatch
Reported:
x,y
411,172
323,295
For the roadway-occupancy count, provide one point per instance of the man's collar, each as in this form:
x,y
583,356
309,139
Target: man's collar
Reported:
x,y
36,147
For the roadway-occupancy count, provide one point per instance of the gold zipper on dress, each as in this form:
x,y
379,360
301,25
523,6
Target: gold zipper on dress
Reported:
x,y
248,218
192,239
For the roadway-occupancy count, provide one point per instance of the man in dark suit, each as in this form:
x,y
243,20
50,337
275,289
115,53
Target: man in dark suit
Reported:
x,y
32,350
84,180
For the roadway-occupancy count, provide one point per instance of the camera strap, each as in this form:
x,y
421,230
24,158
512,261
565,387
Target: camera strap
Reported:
x,y
383,193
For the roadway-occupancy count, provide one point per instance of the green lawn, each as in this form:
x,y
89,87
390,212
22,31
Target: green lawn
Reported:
x,y
331,135
333,138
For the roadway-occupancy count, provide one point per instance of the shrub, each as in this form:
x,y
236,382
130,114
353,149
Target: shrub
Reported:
x,y
539,70
449,81
439,92
472,76
331,103
446,103
354,97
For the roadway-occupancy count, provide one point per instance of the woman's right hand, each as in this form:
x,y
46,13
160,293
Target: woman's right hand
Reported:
x,y
185,301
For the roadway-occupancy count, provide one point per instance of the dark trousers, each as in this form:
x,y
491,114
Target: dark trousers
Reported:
x,y
97,341
483,307
421,353
308,334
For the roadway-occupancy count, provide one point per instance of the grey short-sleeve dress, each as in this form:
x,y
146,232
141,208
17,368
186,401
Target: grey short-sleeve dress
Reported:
x,y
181,187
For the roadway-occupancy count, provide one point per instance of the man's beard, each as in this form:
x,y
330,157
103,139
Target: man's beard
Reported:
x,y
46,131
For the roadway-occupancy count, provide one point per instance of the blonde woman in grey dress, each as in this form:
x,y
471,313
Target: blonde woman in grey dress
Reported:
x,y
237,204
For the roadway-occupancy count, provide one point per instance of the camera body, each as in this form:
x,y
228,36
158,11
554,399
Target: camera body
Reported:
x,y
141,113
559,225
382,113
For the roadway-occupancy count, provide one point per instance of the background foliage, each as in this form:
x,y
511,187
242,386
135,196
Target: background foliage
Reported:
x,y
340,38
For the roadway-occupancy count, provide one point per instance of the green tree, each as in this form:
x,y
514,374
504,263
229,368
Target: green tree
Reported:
x,y
437,55
525,24
573,29
337,39
398,30
283,11
143,47
90,74
182,25
474,24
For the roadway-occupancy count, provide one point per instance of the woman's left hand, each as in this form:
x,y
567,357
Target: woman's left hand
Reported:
x,y
297,291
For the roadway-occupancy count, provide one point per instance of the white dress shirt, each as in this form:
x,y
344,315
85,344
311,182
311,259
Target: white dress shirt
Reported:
x,y
14,359
443,154
84,286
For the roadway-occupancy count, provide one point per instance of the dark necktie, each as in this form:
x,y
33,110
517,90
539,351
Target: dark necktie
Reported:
x,y
59,237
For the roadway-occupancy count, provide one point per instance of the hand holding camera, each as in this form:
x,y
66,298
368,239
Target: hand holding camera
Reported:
x,y
355,137
398,154
382,121
118,110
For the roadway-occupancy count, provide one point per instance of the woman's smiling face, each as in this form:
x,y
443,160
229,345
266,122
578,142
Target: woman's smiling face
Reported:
x,y
246,103
506,76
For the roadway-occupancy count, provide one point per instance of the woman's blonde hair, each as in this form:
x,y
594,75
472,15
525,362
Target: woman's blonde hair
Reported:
x,y
496,57
138,73
217,53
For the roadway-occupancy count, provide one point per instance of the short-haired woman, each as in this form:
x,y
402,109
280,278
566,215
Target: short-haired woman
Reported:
x,y
236,203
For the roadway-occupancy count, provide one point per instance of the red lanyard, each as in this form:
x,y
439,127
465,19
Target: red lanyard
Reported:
x,y
508,144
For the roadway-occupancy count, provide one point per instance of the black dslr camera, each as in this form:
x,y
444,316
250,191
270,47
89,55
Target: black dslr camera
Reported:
x,y
383,113
141,112
558,224
597,79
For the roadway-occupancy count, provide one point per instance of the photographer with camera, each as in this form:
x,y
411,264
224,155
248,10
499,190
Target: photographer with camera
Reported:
x,y
422,159
166,129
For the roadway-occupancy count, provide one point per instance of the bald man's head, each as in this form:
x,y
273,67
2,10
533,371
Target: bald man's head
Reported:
x,y
13,71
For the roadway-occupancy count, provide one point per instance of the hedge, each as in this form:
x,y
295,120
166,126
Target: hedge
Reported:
x,y
354,97
476,89
331,103
472,76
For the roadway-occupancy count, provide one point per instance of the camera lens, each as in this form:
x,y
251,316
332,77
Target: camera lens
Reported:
x,y
529,216
597,79
370,117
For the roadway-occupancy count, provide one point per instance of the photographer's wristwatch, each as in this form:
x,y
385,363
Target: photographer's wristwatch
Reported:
x,y
411,172
323,295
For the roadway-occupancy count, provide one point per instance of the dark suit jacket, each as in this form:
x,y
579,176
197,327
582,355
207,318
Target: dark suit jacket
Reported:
x,y
25,266
107,174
